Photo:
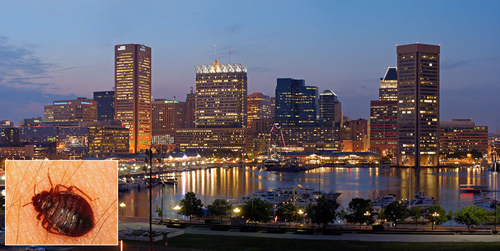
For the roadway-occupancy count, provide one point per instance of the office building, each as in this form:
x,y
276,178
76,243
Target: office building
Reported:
x,y
330,109
213,140
384,115
105,105
107,138
356,136
168,116
221,96
418,105
76,110
133,93
258,107
462,136
190,109
296,103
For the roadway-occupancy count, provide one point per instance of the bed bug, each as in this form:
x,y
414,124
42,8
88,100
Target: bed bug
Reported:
x,y
64,211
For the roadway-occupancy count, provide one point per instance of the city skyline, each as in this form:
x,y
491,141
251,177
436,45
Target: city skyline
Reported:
x,y
344,47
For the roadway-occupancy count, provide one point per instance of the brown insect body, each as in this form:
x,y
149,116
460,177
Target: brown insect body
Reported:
x,y
64,211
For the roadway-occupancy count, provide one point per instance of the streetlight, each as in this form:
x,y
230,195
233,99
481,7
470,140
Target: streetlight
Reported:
x,y
177,208
237,210
122,205
434,215
301,213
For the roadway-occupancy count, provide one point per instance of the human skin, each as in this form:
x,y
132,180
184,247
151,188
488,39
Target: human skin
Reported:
x,y
97,181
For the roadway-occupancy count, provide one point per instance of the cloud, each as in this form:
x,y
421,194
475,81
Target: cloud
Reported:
x,y
451,64
26,103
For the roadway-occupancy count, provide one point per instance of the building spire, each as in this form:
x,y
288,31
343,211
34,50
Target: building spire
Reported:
x,y
216,64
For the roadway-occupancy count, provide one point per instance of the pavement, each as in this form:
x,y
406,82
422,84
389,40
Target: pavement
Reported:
x,y
385,236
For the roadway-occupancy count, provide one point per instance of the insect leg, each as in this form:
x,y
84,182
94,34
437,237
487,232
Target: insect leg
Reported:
x,y
71,188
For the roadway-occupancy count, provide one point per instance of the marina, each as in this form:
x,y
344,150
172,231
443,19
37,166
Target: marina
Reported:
x,y
441,184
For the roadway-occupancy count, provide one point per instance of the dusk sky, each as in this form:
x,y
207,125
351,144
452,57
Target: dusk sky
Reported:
x,y
53,50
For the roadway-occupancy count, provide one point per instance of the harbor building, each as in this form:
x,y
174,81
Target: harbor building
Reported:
x,y
418,105
76,110
190,109
133,93
383,115
462,136
105,105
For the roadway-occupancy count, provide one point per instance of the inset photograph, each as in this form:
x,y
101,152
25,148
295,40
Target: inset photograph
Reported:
x,y
61,202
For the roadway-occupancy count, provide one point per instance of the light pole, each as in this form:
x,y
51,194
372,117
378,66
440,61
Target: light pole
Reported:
x,y
366,214
177,208
434,215
122,205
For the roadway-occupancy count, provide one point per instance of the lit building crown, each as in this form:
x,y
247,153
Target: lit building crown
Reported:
x,y
220,68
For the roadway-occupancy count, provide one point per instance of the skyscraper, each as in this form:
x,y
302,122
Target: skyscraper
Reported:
x,y
296,103
384,115
418,105
133,93
105,105
330,108
221,96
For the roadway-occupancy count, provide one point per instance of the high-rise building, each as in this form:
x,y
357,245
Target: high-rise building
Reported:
x,y
258,107
105,105
296,103
168,116
133,93
190,108
384,115
77,110
356,136
418,105
389,85
330,108
221,96
462,136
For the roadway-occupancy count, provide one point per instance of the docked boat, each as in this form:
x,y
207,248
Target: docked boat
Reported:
x,y
470,188
422,200
123,187
384,201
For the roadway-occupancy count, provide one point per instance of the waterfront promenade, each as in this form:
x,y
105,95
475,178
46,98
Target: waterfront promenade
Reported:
x,y
402,234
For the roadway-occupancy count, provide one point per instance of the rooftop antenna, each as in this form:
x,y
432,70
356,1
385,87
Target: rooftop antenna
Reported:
x,y
215,53
229,56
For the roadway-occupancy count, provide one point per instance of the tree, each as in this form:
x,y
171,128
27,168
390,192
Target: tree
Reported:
x,y
220,208
436,215
450,216
287,212
471,215
323,212
256,210
191,206
396,212
159,211
415,213
359,211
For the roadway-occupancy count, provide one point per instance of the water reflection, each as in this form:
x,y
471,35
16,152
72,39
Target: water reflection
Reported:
x,y
232,183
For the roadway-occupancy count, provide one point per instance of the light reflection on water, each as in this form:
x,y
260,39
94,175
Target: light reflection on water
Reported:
x,y
210,184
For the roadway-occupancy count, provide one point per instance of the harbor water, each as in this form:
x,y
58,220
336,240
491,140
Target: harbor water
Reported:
x,y
233,183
